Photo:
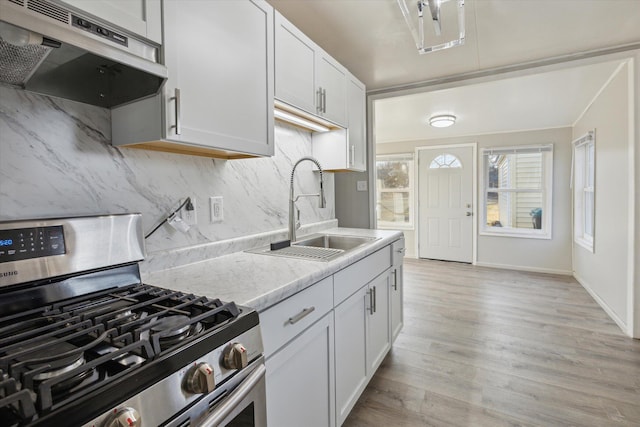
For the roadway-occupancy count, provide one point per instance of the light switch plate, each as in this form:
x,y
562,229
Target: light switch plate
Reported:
x,y
361,185
217,212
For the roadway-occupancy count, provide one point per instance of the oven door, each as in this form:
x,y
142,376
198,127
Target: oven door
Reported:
x,y
240,402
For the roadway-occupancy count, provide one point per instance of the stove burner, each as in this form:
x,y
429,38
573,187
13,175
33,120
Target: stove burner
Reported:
x,y
171,325
56,372
174,329
57,356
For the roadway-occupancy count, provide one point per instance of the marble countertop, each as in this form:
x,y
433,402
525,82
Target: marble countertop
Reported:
x,y
258,280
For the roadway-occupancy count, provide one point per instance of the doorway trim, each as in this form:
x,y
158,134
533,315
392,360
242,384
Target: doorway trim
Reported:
x,y
474,193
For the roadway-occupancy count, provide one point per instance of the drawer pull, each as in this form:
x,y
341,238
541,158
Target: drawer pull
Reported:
x,y
375,300
305,312
178,125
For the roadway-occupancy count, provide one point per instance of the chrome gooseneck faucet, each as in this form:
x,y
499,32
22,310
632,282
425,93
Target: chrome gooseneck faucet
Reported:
x,y
294,220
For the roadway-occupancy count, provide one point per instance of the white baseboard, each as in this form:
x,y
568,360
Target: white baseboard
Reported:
x,y
525,268
622,325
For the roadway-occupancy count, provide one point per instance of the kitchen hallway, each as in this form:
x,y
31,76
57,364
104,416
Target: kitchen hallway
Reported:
x,y
490,347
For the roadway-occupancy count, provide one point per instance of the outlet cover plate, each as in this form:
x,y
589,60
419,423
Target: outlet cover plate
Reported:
x,y
189,217
217,212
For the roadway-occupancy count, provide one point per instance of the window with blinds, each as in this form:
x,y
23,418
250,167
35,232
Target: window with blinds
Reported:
x,y
517,191
394,191
584,171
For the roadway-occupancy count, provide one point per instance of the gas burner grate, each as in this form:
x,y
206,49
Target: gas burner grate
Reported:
x,y
66,350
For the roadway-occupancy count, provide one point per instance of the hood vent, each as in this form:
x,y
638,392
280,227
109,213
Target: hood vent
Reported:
x,y
18,62
43,49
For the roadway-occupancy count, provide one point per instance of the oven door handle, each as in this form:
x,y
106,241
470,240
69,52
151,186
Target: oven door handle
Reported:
x,y
235,398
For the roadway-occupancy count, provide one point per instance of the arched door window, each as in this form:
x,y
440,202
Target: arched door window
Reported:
x,y
445,161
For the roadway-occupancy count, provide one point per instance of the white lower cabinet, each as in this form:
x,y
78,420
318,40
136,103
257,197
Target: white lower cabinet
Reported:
x,y
300,379
351,343
396,289
362,340
378,336
396,305
323,344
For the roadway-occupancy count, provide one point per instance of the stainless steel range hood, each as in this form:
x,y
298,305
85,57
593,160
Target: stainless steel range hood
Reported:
x,y
70,56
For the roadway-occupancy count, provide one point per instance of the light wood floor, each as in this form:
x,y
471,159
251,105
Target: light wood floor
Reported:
x,y
487,347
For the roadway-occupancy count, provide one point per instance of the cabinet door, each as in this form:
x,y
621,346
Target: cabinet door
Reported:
x,y
299,383
295,66
141,17
378,336
357,134
351,347
220,57
331,79
396,305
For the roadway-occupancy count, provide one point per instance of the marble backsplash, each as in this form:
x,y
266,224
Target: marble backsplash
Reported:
x,y
56,160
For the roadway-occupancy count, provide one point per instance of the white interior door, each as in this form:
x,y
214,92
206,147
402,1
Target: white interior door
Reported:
x,y
445,197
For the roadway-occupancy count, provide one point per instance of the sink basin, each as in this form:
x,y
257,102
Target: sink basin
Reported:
x,y
318,247
334,241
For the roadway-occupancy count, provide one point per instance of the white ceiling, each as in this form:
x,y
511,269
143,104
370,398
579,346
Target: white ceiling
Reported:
x,y
538,101
371,38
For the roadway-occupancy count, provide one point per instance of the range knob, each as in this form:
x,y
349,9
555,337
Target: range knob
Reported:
x,y
123,417
200,379
235,356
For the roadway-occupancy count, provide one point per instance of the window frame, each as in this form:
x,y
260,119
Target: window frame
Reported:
x,y
410,159
546,190
582,168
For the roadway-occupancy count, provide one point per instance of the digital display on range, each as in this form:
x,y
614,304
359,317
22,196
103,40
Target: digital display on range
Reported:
x,y
27,243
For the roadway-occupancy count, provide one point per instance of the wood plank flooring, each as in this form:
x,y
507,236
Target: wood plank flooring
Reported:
x,y
488,347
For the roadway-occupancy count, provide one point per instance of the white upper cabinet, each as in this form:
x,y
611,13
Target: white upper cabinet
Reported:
x,y
331,82
306,77
140,17
218,100
345,149
295,66
357,131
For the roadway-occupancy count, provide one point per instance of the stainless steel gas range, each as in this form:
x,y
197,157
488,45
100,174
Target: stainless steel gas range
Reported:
x,y
84,342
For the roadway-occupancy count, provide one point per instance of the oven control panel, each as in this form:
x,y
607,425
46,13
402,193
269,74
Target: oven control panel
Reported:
x,y
27,243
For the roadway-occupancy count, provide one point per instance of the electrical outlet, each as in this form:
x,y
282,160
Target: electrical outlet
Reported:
x,y
361,186
217,213
189,216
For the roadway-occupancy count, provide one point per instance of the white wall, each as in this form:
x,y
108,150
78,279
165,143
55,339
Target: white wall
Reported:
x,y
529,254
56,160
605,273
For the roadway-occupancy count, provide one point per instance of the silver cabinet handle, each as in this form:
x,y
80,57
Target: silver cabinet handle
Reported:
x,y
469,213
375,298
176,98
319,100
395,280
352,154
324,101
370,292
401,250
235,398
305,312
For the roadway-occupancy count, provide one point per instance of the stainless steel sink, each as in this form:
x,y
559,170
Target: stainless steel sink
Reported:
x,y
334,241
318,247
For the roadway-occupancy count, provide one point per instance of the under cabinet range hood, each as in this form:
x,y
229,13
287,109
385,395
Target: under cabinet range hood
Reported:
x,y
48,49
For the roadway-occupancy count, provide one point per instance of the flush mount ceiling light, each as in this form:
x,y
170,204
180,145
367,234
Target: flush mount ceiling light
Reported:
x,y
442,121
430,39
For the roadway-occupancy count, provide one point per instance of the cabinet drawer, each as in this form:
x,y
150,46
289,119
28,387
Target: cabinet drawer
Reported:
x,y
285,320
352,278
397,252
